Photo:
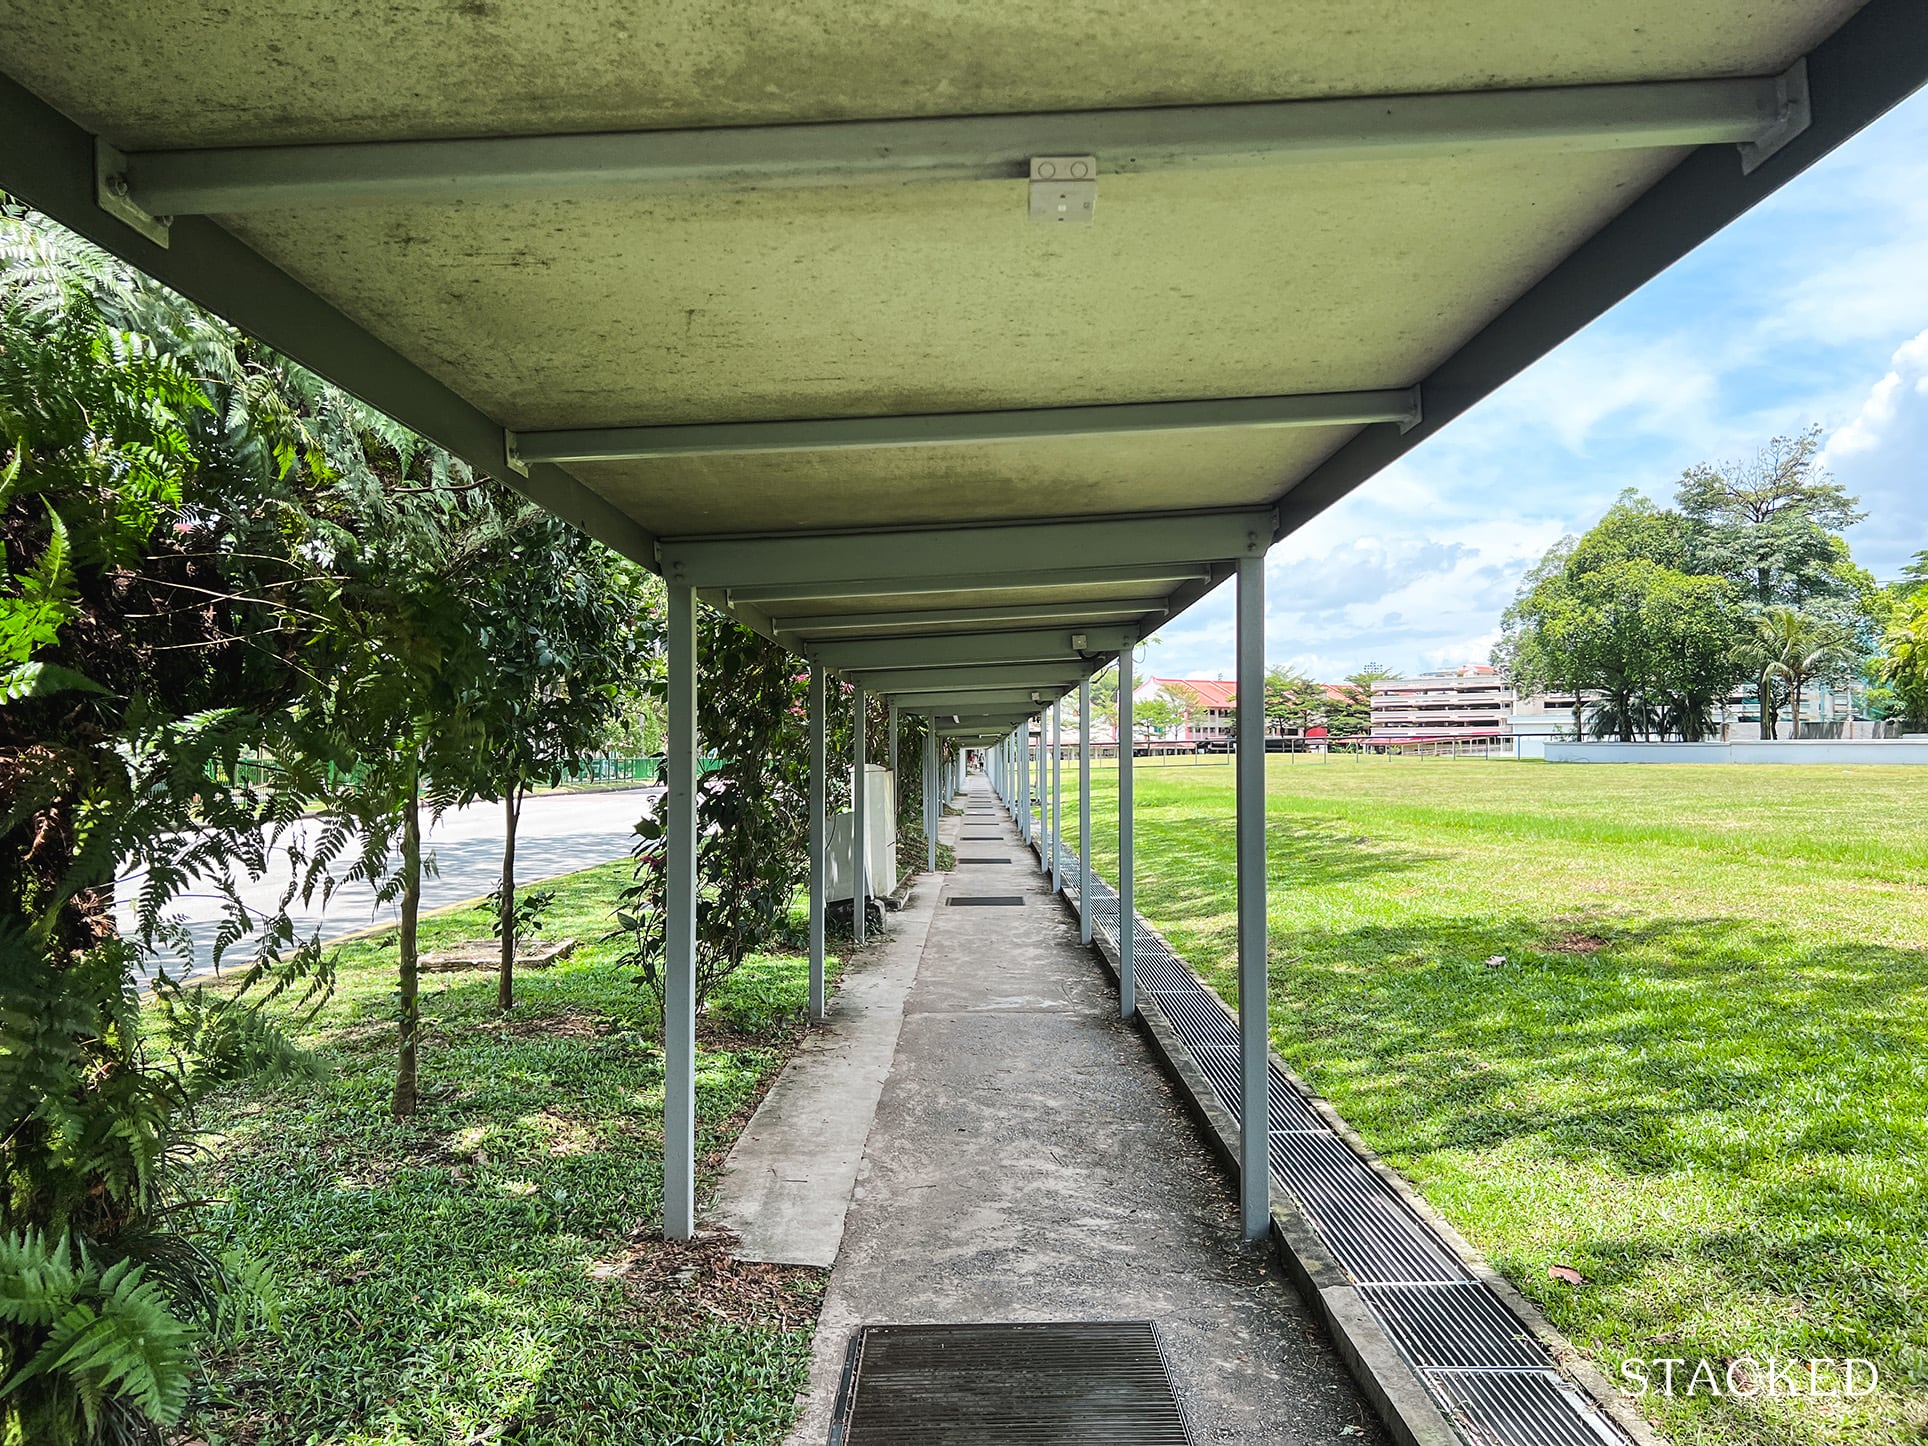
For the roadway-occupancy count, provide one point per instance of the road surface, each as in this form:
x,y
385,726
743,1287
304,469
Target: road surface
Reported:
x,y
560,832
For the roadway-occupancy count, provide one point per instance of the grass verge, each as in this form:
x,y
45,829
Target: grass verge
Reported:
x,y
488,1270
1665,1026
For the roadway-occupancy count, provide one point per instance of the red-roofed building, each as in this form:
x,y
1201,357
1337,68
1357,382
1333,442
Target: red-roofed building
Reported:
x,y
1209,706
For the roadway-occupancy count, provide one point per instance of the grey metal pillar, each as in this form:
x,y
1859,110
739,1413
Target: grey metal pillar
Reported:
x,y
1254,1022
890,761
1044,790
1023,744
1084,810
930,796
818,767
859,854
1057,794
679,930
1127,985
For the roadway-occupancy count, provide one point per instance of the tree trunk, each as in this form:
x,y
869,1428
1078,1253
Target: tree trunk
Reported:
x,y
405,1093
505,982
1770,715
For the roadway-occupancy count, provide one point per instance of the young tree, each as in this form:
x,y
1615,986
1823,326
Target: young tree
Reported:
x,y
1156,716
561,640
1104,697
1291,696
1351,715
752,811
404,652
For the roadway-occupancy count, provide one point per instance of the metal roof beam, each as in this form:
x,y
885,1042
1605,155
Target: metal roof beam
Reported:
x,y
846,558
991,678
623,444
947,650
764,596
233,180
1022,700
1096,610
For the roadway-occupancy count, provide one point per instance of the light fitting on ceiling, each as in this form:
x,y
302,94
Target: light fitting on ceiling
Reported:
x,y
1064,189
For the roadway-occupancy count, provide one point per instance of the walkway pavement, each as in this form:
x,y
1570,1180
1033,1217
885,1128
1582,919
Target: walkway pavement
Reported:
x,y
1028,1160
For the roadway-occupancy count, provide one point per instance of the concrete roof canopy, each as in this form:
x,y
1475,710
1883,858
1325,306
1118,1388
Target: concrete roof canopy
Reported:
x,y
758,296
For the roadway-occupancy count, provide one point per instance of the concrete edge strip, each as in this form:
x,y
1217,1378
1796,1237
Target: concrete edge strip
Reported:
x,y
911,935
1401,1398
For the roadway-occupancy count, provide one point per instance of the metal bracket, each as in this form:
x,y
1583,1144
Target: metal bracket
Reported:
x,y
512,455
1795,115
1415,416
1064,188
112,195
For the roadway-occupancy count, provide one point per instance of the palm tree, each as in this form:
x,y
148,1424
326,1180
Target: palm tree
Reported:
x,y
1904,663
1794,646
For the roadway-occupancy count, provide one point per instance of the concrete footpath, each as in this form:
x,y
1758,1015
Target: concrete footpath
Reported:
x,y
1027,1159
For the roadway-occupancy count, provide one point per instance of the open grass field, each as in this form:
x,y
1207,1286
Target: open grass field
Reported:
x,y
1699,1077
487,1272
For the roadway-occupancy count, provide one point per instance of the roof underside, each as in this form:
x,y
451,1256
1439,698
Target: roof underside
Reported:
x,y
880,273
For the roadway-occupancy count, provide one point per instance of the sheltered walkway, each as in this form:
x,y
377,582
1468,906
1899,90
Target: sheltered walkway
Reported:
x,y
1029,1160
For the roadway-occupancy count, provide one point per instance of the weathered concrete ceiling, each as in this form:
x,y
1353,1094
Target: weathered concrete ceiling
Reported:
x,y
184,73
728,296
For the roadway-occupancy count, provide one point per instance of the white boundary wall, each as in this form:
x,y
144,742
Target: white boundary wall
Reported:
x,y
1811,750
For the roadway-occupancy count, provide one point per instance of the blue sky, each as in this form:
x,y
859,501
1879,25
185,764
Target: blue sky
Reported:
x,y
1813,307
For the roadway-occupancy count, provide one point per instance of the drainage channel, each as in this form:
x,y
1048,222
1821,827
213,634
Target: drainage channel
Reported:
x,y
1488,1372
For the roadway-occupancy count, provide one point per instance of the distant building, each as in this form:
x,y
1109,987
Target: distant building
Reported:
x,y
1208,707
1474,701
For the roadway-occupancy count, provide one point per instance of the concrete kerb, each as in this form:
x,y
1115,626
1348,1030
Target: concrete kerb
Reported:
x,y
1395,1390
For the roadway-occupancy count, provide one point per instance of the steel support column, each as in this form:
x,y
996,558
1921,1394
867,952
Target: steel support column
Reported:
x,y
679,934
930,795
1254,1023
1024,785
818,767
1127,985
859,856
1057,795
1084,811
1044,791
890,760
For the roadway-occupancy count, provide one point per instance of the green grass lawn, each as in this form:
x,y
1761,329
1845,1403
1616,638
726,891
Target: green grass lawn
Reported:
x,y
487,1271
1700,1076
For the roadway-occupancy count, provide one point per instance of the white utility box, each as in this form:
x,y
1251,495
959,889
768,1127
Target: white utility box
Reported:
x,y
880,839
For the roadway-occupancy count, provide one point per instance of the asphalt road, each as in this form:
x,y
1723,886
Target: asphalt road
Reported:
x,y
559,833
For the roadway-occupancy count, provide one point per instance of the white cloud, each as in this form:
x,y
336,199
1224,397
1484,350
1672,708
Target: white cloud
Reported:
x,y
1881,455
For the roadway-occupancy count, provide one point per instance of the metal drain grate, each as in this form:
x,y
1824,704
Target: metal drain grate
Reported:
x,y
1520,1408
1492,1377
1103,1383
988,901
1460,1325
986,860
1366,1227
1286,1108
